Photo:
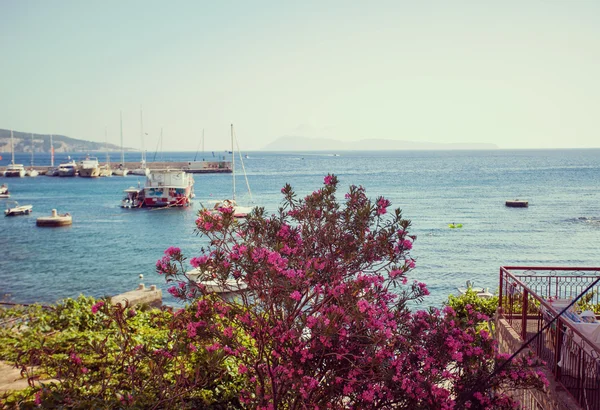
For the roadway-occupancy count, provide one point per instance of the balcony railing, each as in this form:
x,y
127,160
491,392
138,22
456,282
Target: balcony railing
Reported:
x,y
525,303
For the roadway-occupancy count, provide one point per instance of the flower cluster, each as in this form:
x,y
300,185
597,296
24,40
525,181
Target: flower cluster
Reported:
x,y
321,313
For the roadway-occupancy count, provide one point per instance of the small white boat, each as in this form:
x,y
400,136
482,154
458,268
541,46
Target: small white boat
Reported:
x,y
238,211
4,191
227,290
481,292
120,172
13,209
134,198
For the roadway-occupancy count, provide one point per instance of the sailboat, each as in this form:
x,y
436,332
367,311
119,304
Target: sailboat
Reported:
x,y
32,172
238,211
52,171
142,170
122,170
14,170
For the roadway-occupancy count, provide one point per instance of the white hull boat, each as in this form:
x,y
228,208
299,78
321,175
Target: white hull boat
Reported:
x,y
14,209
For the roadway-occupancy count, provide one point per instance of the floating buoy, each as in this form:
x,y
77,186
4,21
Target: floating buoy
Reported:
x,y
454,226
517,204
55,220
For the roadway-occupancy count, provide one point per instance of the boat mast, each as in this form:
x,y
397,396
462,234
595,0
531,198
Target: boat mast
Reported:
x,y
122,152
12,147
142,136
232,162
51,152
32,149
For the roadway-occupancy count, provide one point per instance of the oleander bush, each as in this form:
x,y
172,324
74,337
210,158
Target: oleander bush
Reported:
x,y
322,322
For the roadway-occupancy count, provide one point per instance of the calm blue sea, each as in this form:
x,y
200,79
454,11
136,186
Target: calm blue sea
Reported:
x,y
108,247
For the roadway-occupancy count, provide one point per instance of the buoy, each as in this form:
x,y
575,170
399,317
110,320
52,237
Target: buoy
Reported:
x,y
453,226
55,220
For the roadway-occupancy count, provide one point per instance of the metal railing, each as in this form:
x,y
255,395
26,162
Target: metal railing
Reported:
x,y
524,303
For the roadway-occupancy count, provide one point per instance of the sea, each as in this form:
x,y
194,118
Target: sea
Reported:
x,y
107,248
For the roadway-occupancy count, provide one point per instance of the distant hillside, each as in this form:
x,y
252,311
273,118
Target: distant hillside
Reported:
x,y
41,143
290,143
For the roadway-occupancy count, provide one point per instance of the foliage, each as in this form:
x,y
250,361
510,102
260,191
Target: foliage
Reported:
x,y
102,356
470,301
322,322
325,307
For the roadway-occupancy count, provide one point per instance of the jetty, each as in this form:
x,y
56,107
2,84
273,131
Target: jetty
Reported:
x,y
142,295
188,166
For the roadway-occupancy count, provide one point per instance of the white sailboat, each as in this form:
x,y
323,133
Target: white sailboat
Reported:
x,y
142,170
14,170
32,172
238,211
122,170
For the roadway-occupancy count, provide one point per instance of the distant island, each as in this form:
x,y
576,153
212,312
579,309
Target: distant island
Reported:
x,y
41,143
291,143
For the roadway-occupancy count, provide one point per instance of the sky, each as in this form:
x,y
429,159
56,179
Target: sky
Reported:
x,y
518,74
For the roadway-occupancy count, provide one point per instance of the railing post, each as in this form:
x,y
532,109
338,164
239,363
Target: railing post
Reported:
x,y
524,307
558,351
501,288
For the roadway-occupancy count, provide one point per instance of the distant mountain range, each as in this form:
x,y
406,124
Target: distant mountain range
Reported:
x,y
290,143
41,143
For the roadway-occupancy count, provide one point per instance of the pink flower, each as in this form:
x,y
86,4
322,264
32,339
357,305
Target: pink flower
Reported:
x,y
38,398
296,295
242,369
197,261
407,244
173,251
328,180
97,306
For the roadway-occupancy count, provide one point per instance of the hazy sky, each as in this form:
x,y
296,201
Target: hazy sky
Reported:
x,y
520,74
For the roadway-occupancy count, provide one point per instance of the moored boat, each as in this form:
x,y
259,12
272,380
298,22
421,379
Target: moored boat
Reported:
x,y
67,169
14,170
168,187
4,191
89,167
206,167
134,198
51,172
13,209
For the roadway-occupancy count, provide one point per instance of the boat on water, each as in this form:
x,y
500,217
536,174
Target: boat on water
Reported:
x,y
67,169
228,289
4,191
12,169
481,292
134,198
89,167
51,172
13,209
238,211
167,188
121,171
